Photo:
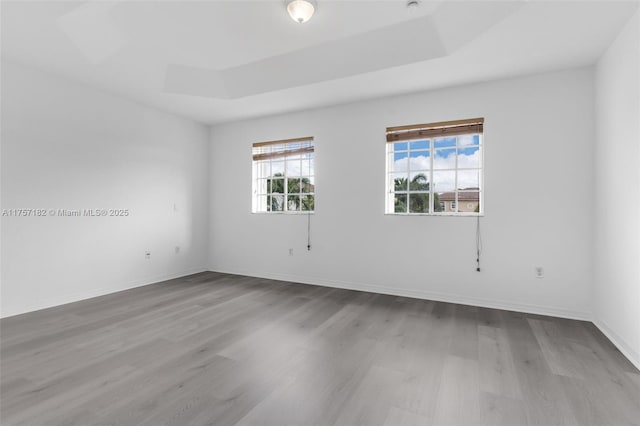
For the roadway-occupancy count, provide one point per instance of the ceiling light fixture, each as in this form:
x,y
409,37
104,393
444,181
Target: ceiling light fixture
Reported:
x,y
301,10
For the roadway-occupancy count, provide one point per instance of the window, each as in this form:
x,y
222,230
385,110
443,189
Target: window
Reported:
x,y
435,168
283,176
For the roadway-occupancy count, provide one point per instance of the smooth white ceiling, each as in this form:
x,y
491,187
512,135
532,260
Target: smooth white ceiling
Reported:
x,y
216,61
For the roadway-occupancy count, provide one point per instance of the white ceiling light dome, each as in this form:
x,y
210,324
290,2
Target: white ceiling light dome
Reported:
x,y
301,10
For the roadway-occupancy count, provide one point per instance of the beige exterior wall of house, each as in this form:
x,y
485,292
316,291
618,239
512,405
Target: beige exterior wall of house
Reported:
x,y
463,206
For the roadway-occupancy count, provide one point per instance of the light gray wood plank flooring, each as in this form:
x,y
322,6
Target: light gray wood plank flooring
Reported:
x,y
218,349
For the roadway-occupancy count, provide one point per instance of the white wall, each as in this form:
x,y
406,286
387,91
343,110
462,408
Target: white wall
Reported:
x,y
539,200
617,207
67,146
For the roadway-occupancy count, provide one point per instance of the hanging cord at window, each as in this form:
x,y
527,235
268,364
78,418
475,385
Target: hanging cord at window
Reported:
x,y
478,243
478,234
309,232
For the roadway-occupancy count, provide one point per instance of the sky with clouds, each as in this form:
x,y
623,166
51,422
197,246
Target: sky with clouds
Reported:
x,y
407,160
412,158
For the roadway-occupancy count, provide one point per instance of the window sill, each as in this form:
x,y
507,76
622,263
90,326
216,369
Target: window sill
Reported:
x,y
437,214
305,213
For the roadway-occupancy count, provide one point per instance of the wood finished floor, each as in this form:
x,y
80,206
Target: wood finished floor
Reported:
x,y
216,349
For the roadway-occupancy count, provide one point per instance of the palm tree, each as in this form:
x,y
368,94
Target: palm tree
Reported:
x,y
418,201
419,183
306,198
298,193
400,200
400,184
275,191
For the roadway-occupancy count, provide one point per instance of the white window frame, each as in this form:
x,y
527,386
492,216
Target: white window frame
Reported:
x,y
389,186
285,151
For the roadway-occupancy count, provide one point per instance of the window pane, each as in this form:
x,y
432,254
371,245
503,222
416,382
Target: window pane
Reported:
x,y
469,202
293,202
263,169
399,162
293,167
444,181
418,203
277,168
275,185
444,158
293,157
443,201
307,185
468,158
400,203
419,182
293,185
308,202
400,146
469,179
307,167
468,140
275,203
420,160
398,182
438,204
419,144
444,142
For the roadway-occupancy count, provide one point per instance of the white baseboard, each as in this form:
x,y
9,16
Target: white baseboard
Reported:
x,y
44,303
619,342
421,294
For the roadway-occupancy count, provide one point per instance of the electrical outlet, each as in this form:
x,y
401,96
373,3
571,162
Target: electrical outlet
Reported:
x,y
290,252
539,270
147,255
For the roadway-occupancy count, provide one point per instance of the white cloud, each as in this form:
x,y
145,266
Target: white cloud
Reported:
x,y
465,140
444,180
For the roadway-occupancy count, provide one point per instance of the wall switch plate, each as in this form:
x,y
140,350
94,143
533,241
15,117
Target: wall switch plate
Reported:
x,y
147,255
290,252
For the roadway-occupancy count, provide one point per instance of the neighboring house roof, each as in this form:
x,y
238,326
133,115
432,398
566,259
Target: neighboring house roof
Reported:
x,y
462,196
